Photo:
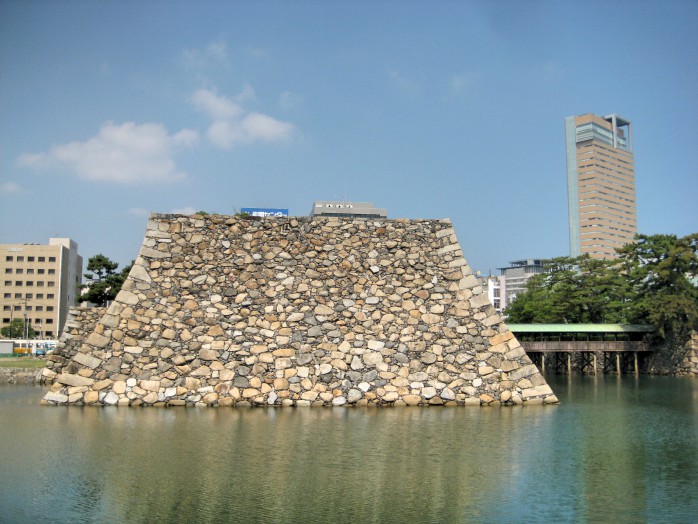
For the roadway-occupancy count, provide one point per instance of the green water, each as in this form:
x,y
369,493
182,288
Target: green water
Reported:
x,y
614,450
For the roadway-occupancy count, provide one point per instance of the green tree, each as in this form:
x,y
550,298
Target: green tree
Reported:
x,y
662,270
571,291
654,281
15,329
104,283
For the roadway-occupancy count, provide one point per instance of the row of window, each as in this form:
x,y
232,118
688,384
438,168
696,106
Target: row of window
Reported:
x,y
30,283
30,296
30,271
47,333
28,308
20,258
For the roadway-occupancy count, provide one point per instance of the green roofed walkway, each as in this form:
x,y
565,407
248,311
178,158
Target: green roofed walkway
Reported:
x,y
618,346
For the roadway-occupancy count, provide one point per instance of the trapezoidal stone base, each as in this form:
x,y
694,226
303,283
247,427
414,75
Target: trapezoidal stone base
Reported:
x,y
222,311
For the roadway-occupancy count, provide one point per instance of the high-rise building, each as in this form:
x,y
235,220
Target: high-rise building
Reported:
x,y
600,184
38,283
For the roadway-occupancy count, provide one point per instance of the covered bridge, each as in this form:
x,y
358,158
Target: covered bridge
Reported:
x,y
611,348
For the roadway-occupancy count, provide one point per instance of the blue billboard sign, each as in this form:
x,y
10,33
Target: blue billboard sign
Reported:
x,y
264,212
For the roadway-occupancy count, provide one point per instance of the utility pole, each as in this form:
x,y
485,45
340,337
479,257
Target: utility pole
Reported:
x,y
26,326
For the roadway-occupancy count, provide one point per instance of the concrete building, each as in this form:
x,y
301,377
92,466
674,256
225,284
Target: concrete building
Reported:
x,y
495,285
347,210
39,283
600,184
512,280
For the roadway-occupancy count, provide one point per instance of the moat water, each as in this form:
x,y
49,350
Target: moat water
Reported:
x,y
615,450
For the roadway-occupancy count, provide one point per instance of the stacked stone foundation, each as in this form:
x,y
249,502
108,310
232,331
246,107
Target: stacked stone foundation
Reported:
x,y
223,311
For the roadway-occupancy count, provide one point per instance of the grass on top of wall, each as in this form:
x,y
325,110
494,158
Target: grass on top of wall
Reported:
x,y
22,362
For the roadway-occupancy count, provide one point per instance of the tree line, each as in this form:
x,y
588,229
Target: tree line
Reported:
x,y
653,281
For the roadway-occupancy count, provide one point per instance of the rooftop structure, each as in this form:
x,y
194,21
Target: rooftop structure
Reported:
x,y
346,209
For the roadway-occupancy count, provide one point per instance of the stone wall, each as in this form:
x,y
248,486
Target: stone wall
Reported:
x,y
689,365
19,376
80,322
221,311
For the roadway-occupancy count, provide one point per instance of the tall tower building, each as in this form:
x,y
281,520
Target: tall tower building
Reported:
x,y
600,184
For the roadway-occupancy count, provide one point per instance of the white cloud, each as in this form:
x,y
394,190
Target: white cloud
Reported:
x,y
463,82
138,212
217,107
233,124
256,52
128,153
184,211
246,95
403,83
289,100
257,126
214,54
9,187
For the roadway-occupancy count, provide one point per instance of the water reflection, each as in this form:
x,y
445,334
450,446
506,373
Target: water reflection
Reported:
x,y
613,450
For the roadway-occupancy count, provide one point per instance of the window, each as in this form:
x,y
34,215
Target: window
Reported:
x,y
28,308
6,308
51,271
30,259
39,308
18,283
30,271
30,283
51,284
8,258
40,283
8,282
17,307
39,295
20,259
19,271
8,270
42,259
50,296
49,321
49,333
18,295
29,295
41,271
5,320
51,259
49,308
7,295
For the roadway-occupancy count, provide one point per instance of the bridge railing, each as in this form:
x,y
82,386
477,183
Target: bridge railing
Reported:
x,y
578,346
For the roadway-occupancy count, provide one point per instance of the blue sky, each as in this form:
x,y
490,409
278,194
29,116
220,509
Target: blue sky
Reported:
x,y
111,110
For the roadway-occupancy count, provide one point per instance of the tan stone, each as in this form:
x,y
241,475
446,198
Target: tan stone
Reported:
x,y
150,385
250,393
